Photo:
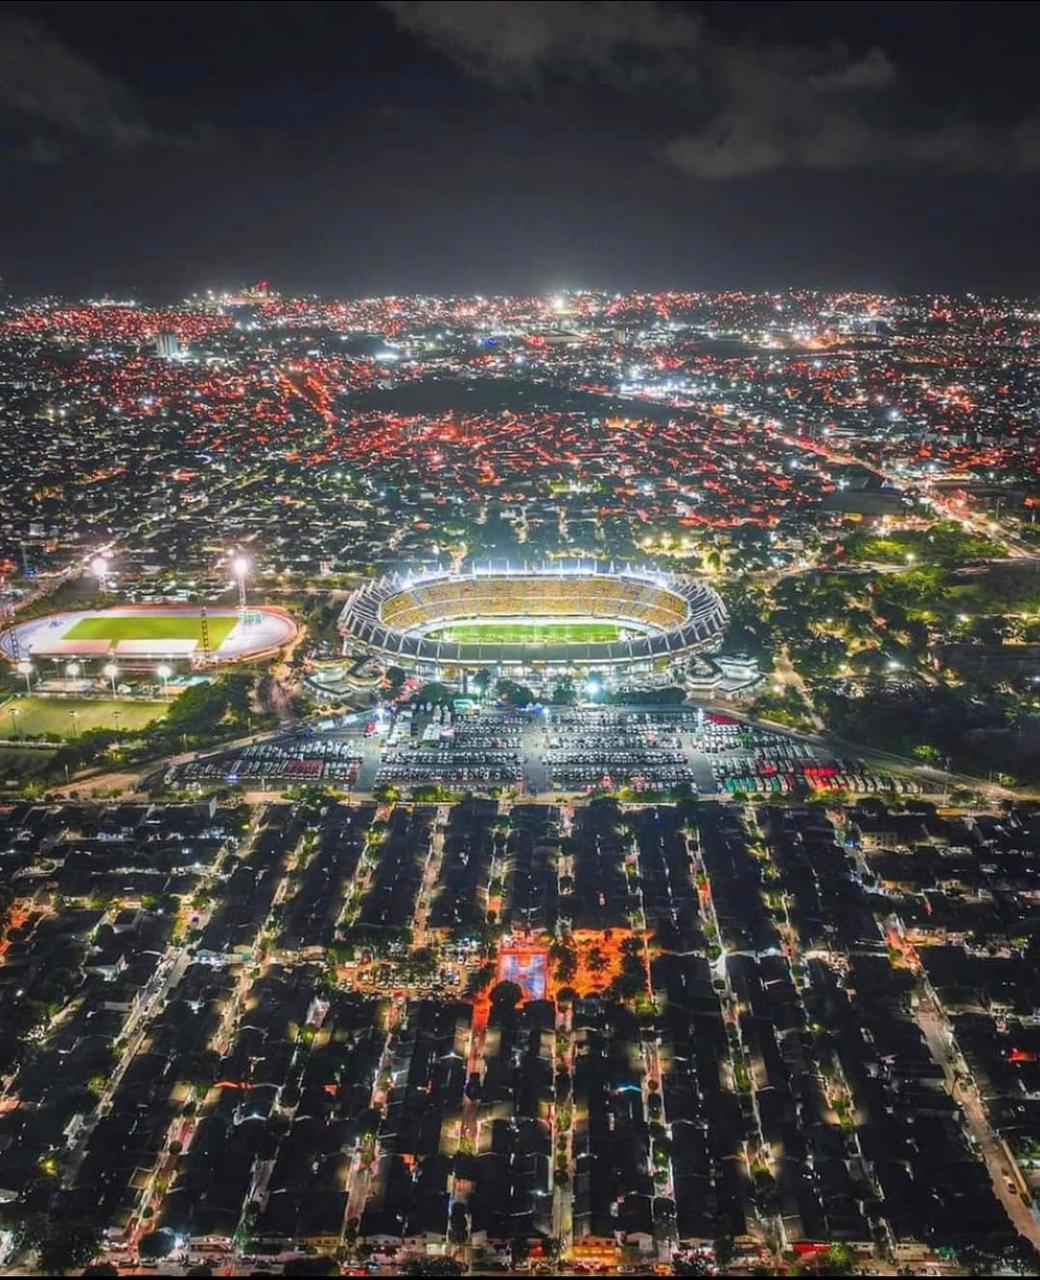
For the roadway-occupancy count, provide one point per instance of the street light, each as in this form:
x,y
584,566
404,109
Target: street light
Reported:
x,y
164,672
14,714
25,667
111,670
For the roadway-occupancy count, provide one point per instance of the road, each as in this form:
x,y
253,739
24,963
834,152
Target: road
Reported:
x,y
943,1049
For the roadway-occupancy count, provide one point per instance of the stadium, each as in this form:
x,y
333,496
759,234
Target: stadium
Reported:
x,y
138,636
541,621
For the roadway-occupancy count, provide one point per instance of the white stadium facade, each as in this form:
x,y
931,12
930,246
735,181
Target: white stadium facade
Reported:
x,y
262,632
660,620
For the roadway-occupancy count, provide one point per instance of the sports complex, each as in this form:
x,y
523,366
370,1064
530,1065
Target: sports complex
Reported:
x,y
583,618
136,636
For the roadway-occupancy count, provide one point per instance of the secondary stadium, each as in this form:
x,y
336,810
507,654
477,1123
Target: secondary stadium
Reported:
x,y
138,636
539,621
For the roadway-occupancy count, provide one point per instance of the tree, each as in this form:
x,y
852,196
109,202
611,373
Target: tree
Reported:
x,y
395,678
458,1228
517,695
564,693
433,1267
506,995
156,1245
69,1246
690,1264
434,693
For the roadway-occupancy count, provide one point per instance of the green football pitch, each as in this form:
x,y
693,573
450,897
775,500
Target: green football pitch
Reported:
x,y
150,626
532,633
69,717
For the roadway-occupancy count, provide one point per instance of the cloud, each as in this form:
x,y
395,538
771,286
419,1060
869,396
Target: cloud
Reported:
x,y
518,43
742,106
46,85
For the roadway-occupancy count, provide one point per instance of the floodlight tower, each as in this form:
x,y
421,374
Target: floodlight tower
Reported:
x,y
99,568
25,668
204,630
111,670
240,568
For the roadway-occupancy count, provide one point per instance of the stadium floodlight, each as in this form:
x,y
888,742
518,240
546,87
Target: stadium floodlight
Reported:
x,y
111,670
72,670
25,668
240,568
164,672
99,568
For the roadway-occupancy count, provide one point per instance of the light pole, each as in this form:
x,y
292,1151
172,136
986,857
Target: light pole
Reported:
x,y
14,721
75,723
99,568
164,672
111,670
25,667
240,567
71,672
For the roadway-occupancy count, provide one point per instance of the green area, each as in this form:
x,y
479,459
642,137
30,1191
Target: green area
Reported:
x,y
985,736
530,633
943,543
150,626
37,717
202,714
17,763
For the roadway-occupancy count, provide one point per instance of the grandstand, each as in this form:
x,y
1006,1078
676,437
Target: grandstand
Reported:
x,y
414,622
139,636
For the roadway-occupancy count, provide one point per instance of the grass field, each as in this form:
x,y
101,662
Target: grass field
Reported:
x,y
534,633
54,716
150,626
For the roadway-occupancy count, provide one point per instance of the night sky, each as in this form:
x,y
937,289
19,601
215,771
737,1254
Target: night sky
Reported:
x,y
354,148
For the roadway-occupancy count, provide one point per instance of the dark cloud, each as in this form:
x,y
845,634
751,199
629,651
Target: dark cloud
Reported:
x,y
744,106
62,95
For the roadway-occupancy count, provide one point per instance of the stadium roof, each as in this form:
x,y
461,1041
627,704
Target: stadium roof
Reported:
x,y
70,648
705,615
158,648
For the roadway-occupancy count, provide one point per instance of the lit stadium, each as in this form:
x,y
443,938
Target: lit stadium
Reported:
x,y
534,620
140,635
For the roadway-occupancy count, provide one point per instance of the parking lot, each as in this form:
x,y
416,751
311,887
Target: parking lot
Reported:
x,y
760,761
456,751
573,750
327,760
590,748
